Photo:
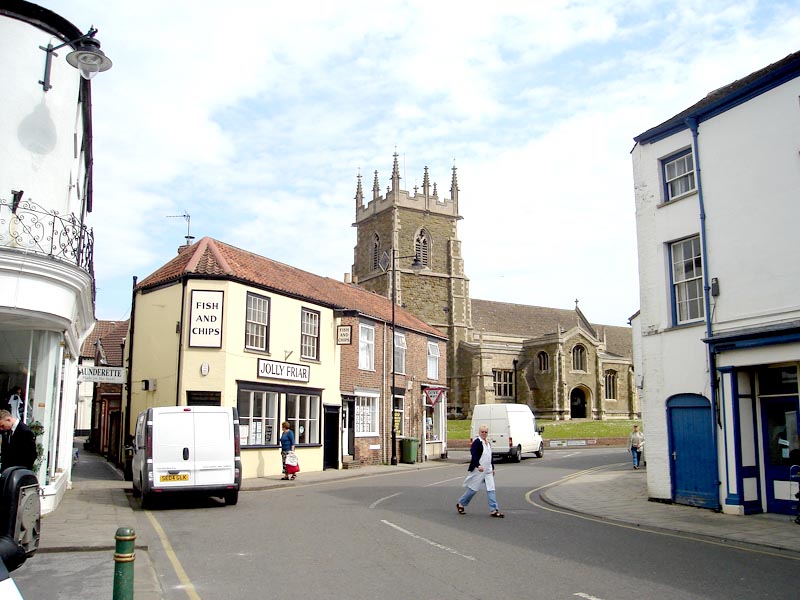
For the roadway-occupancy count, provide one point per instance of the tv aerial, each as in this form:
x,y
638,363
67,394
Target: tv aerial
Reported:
x,y
188,218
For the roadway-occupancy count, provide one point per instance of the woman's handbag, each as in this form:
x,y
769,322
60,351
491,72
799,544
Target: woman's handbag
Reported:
x,y
292,464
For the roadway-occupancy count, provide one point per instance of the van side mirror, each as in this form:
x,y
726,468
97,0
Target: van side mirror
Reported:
x,y
540,429
20,516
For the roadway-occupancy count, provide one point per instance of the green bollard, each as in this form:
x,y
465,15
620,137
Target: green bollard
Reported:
x,y
124,555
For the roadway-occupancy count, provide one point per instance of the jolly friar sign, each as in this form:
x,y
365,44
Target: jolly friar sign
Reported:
x,y
273,369
92,374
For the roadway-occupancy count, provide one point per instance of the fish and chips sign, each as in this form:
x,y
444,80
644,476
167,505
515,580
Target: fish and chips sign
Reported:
x,y
91,374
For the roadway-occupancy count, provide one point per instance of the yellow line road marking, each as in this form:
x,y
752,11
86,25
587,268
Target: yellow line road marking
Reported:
x,y
183,578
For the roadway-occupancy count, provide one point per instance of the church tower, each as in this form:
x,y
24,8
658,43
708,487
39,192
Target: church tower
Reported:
x,y
419,225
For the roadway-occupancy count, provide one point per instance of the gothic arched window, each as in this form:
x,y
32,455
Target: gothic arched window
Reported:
x,y
422,248
578,358
611,385
543,361
376,251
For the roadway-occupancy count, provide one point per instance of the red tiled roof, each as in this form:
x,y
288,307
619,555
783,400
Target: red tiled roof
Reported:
x,y
212,259
110,334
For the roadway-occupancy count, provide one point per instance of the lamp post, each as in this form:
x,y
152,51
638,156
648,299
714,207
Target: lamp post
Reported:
x,y
87,57
416,265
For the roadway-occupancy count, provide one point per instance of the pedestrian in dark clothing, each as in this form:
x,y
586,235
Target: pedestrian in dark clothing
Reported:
x,y
19,443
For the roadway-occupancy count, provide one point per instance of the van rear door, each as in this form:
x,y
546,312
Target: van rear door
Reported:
x,y
214,446
173,448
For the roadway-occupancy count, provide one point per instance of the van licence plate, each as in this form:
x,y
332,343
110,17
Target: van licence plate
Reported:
x,y
178,477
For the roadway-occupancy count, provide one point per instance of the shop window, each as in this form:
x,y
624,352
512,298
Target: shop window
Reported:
x,y
258,417
302,413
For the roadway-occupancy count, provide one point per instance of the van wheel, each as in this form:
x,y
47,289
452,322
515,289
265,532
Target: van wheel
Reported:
x,y
516,455
136,492
145,498
231,498
540,452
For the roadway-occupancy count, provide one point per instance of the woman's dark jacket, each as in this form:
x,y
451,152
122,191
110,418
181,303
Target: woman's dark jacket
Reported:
x,y
476,450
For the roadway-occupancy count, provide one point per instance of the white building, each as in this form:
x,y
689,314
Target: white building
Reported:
x,y
46,250
717,206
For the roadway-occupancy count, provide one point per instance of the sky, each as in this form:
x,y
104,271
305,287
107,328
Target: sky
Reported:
x,y
255,118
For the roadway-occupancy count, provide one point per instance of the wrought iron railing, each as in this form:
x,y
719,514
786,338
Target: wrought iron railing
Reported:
x,y
29,227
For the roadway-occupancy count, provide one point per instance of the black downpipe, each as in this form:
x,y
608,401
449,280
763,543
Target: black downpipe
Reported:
x,y
128,438
515,361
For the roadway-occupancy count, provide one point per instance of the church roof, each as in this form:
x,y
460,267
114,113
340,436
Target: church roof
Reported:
x,y
537,321
211,259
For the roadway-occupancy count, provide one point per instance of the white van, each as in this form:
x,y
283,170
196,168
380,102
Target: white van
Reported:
x,y
187,449
512,429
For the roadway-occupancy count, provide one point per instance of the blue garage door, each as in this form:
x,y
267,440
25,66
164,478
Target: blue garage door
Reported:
x,y
695,479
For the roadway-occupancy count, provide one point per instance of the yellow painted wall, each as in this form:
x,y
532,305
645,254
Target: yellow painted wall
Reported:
x,y
156,357
155,349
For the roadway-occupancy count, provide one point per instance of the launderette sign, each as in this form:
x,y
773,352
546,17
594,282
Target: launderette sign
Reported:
x,y
272,369
101,374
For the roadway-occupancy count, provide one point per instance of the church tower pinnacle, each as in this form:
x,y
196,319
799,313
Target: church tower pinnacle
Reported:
x,y
417,224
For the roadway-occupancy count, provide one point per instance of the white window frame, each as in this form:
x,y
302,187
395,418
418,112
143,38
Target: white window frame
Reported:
x,y
399,414
366,413
688,297
309,334
433,360
679,176
400,347
259,430
366,347
434,432
256,333
302,413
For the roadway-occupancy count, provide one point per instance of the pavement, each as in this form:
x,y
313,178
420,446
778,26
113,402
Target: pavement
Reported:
x,y
76,552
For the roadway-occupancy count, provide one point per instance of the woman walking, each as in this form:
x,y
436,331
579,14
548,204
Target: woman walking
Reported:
x,y
481,472
636,443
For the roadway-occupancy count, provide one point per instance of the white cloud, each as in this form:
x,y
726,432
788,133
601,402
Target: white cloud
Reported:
x,y
255,117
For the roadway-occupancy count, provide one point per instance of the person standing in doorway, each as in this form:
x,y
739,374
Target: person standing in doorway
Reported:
x,y
481,472
19,443
636,443
287,445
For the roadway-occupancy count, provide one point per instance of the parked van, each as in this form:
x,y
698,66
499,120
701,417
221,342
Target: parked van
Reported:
x,y
512,429
187,449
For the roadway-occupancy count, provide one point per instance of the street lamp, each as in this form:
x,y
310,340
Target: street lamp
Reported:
x,y
416,266
87,57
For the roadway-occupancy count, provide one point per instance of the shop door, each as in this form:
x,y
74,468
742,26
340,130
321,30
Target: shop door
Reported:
x,y
331,453
779,431
691,445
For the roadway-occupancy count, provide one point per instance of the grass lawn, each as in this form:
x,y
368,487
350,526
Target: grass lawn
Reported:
x,y
558,430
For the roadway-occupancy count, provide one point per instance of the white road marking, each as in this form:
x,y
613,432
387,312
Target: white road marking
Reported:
x,y
379,500
444,481
427,541
587,596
